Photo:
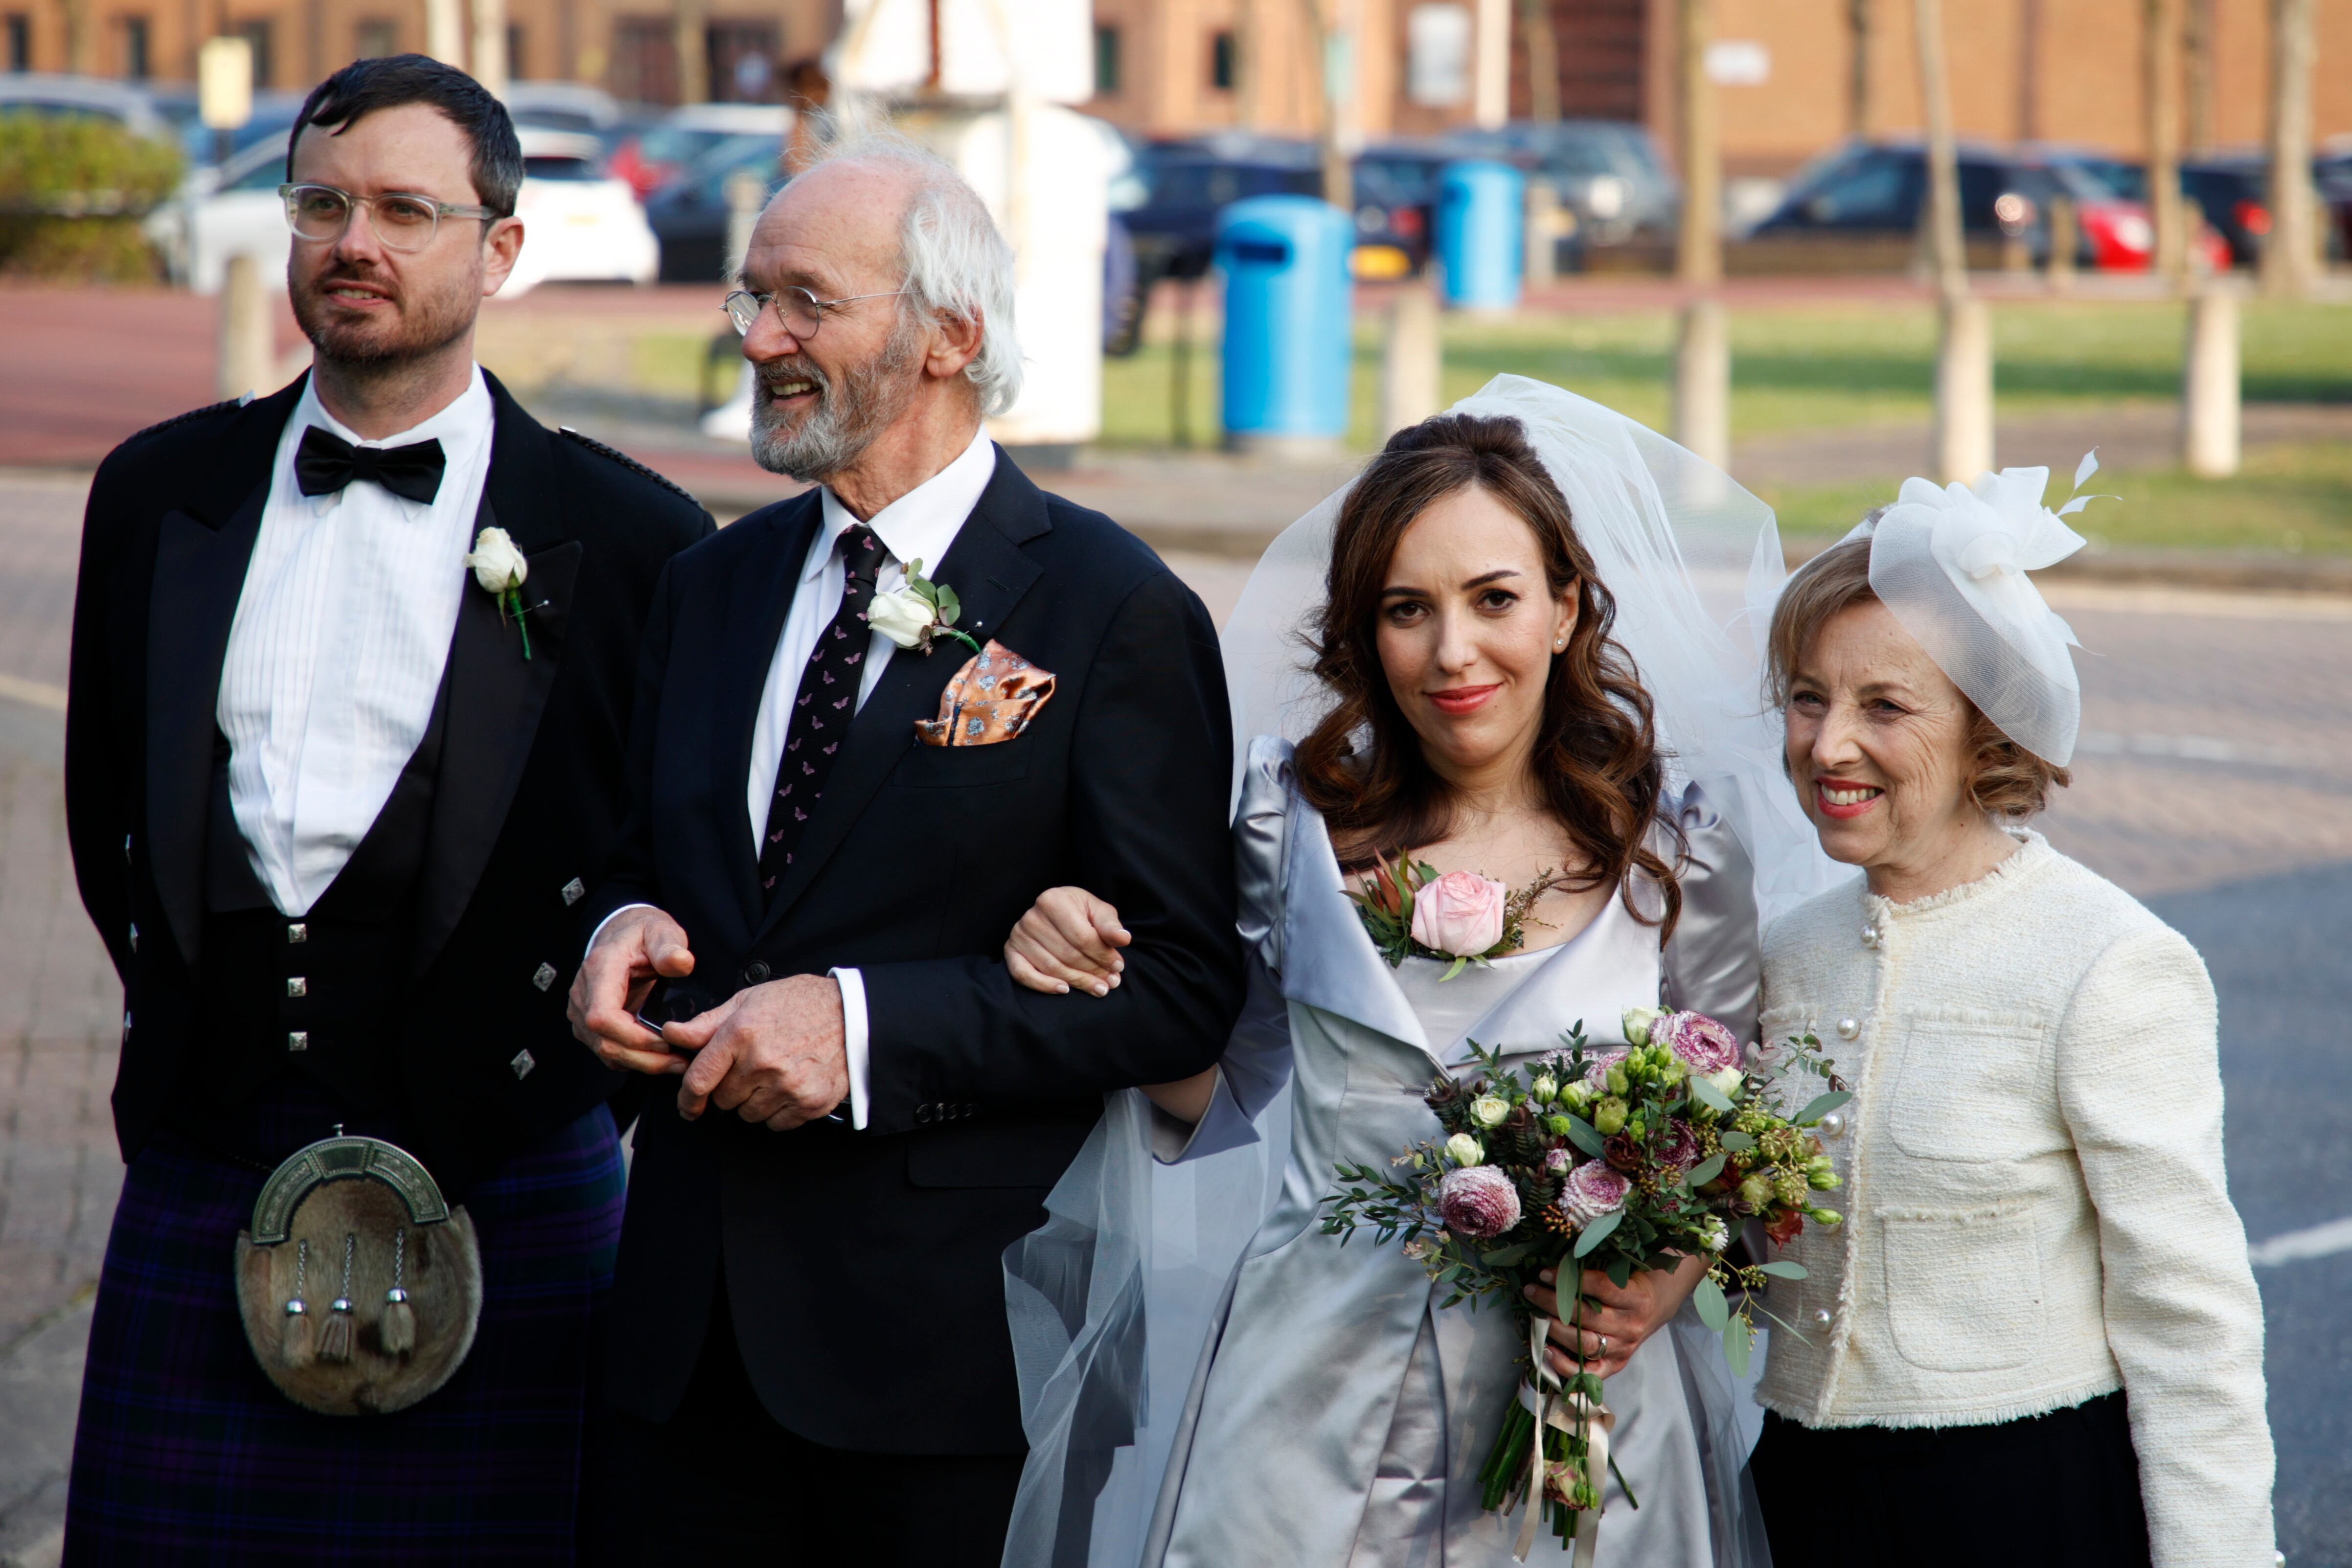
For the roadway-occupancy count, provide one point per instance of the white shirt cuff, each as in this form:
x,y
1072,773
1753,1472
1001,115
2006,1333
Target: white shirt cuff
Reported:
x,y
853,1040
608,921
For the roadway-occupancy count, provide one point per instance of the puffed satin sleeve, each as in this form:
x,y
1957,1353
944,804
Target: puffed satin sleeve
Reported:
x,y
1714,961
1257,1062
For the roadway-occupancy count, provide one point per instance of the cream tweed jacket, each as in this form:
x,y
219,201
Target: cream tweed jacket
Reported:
x,y
2035,1206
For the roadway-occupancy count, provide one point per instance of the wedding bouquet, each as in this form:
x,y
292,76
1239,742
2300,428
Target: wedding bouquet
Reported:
x,y
1621,1159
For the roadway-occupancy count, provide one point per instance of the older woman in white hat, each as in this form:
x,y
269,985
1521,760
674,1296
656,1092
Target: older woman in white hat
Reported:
x,y
2036,1340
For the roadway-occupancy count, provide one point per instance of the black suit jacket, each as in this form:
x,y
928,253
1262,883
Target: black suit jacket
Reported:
x,y
529,792
865,1268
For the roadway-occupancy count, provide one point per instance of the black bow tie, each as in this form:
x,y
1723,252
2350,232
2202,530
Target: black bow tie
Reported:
x,y
325,463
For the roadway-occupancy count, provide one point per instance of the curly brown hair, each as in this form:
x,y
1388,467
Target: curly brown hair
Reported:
x,y
2004,778
1596,756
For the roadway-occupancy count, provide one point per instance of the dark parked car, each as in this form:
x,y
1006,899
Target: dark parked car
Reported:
x,y
1396,206
689,213
1607,172
1185,184
1867,190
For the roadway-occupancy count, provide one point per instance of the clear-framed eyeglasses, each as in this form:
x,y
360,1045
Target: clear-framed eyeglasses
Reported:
x,y
401,220
800,311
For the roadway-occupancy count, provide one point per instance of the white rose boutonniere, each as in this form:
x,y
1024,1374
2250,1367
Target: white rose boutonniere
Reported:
x,y
918,613
501,571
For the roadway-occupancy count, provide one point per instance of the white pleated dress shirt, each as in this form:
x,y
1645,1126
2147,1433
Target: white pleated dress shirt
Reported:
x,y
920,524
337,651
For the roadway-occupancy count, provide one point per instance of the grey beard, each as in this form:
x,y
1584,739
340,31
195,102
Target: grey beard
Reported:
x,y
847,417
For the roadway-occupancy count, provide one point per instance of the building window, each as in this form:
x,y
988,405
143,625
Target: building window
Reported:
x,y
1105,60
256,33
645,59
742,61
136,65
514,53
1220,60
378,36
20,42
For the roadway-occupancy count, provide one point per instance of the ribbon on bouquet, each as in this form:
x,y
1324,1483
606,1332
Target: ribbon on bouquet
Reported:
x,y
1579,1415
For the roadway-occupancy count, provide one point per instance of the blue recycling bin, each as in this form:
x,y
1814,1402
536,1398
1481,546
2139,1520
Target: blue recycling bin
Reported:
x,y
1287,292
1482,214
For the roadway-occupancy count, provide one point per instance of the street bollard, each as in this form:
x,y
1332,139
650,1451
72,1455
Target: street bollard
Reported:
x,y
1963,392
2209,426
747,193
1543,231
248,361
2062,241
1703,383
1411,369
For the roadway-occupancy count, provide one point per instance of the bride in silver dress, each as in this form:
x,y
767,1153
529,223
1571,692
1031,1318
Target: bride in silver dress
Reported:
x,y
1483,608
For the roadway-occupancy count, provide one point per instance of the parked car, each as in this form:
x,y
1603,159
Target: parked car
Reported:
x,y
689,212
580,225
563,105
1607,172
1877,190
665,150
88,98
1187,183
1396,206
274,111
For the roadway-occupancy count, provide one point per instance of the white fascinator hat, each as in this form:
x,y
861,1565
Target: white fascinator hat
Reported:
x,y
1949,562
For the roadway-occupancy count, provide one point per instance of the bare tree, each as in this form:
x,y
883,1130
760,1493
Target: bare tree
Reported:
x,y
2160,45
1857,87
2197,49
1323,41
1703,353
1543,59
1964,354
2291,253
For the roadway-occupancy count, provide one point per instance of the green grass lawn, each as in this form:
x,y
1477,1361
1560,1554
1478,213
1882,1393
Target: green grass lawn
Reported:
x,y
1814,368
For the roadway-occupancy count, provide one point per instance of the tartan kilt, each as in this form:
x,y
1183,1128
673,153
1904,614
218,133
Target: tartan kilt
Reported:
x,y
187,1454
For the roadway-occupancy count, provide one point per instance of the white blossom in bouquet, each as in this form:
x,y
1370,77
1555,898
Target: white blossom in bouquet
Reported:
x,y
1464,1149
1638,1021
1489,1110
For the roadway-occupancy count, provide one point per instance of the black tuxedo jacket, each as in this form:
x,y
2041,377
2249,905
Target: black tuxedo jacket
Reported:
x,y
864,1268
529,792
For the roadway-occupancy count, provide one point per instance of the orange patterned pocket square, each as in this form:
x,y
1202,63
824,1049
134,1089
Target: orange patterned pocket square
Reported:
x,y
993,697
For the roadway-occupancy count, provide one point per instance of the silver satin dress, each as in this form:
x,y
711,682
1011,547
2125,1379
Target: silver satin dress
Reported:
x,y
1338,1415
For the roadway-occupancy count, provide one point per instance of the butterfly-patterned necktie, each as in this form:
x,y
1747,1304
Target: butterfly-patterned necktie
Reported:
x,y
821,712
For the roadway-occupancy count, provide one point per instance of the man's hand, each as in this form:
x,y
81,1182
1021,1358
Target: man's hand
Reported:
x,y
636,947
1614,1323
772,1053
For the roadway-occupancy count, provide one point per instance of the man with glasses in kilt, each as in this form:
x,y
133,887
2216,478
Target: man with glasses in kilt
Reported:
x,y
333,798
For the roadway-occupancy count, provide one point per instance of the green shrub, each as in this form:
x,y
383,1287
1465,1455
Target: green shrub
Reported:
x,y
72,190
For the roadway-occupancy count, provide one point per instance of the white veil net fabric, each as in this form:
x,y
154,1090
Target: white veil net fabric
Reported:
x,y
1111,1302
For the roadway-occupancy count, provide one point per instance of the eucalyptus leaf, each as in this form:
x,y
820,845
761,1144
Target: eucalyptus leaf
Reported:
x,y
1738,1142
1503,1257
950,606
1585,1137
1711,1097
1597,1232
1713,1309
1706,1171
1820,1107
1782,1268
1738,1344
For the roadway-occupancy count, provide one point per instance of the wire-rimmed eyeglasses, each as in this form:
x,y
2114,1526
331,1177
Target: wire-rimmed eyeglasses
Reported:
x,y
401,219
800,311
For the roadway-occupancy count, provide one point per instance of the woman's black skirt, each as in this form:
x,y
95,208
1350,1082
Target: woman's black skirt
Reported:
x,y
2059,1491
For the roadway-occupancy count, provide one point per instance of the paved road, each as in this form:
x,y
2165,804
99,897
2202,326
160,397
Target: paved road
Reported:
x,y
2215,782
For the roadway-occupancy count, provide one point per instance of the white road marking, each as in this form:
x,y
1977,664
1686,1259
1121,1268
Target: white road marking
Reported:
x,y
2301,1246
37,693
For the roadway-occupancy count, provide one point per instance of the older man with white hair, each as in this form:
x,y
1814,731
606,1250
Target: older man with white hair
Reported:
x,y
873,723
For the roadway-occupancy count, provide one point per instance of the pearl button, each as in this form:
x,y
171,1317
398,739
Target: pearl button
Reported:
x,y
1821,1317
1847,1029
1833,1125
1870,936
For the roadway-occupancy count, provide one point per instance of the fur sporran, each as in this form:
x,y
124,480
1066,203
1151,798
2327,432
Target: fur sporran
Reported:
x,y
360,1286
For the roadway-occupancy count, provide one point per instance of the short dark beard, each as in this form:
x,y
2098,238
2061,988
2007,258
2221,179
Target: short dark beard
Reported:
x,y
847,416
426,326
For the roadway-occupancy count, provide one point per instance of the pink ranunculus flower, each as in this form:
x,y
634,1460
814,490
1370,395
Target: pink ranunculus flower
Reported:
x,y
1677,1147
1597,1065
1555,1160
1700,1043
1593,1189
1461,912
1478,1201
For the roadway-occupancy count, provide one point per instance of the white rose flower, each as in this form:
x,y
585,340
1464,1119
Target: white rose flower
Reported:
x,y
496,564
1728,1080
902,616
1464,1149
1638,1021
1489,1110
1545,1088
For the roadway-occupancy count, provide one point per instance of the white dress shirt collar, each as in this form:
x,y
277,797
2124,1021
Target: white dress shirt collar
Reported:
x,y
921,524
463,428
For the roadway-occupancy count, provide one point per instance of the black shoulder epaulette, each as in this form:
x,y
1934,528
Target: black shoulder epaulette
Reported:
x,y
631,463
184,418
